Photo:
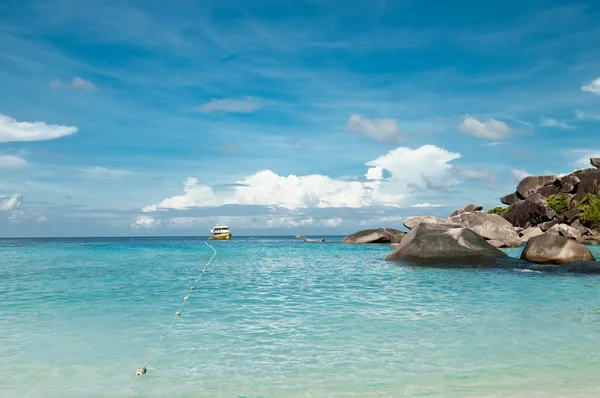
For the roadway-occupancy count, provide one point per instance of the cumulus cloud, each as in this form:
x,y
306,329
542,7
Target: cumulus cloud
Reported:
x,y
549,122
11,161
230,105
407,168
379,129
11,203
145,222
76,82
519,174
592,87
331,222
491,129
374,173
13,131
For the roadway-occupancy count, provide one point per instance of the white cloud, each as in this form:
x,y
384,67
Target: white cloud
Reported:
x,y
407,167
230,105
519,174
384,219
549,122
76,82
13,131
11,203
374,173
425,205
11,161
592,87
145,222
331,222
105,173
491,129
580,115
379,129
496,143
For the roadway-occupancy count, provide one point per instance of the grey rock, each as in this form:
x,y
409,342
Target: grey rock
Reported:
x,y
530,185
571,215
496,243
589,240
570,179
530,232
473,207
549,224
489,226
412,222
457,212
397,238
552,248
518,229
380,235
580,228
529,212
444,244
567,188
566,231
510,199
595,162
589,183
548,190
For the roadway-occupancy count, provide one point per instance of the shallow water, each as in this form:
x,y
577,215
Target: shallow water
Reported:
x,y
277,317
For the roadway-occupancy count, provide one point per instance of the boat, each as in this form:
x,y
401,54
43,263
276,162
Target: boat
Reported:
x,y
220,232
314,240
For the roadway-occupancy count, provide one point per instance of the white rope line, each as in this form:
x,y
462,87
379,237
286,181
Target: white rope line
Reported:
x,y
142,370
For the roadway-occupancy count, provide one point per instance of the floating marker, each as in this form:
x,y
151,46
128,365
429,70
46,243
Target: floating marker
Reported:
x,y
140,371
177,313
185,298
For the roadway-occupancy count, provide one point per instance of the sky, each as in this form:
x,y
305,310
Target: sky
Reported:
x,y
322,117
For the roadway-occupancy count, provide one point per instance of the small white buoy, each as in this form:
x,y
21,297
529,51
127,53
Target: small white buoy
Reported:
x,y
177,313
140,371
192,288
196,281
185,298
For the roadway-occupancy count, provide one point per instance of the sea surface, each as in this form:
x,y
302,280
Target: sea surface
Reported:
x,y
278,317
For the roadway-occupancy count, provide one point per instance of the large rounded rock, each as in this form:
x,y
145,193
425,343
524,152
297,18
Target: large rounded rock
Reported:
x,y
444,244
473,207
380,235
412,222
595,162
529,212
530,185
489,226
589,183
552,248
510,199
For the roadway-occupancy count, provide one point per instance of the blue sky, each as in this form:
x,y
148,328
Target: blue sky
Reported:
x,y
317,117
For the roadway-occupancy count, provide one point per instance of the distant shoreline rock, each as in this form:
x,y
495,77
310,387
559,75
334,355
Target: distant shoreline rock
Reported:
x,y
380,235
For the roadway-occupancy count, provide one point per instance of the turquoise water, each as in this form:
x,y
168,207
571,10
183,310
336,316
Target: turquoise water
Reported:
x,y
277,317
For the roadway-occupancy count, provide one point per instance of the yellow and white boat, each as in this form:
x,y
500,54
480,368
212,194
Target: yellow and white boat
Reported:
x,y
220,232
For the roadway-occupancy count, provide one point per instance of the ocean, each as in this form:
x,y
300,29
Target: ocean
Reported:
x,y
278,317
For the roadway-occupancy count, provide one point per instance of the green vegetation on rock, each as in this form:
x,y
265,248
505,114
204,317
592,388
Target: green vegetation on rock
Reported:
x,y
559,203
498,210
590,205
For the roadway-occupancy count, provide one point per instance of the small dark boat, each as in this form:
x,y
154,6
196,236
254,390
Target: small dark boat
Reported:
x,y
314,240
